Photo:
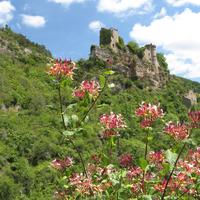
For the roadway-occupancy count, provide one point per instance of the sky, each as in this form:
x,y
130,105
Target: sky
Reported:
x,y
69,27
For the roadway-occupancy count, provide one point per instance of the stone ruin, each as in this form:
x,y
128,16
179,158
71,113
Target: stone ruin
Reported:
x,y
145,69
190,98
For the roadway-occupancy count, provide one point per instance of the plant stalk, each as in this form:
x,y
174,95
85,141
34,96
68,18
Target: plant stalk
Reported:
x,y
145,157
70,140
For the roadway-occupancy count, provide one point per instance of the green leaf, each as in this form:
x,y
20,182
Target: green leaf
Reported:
x,y
66,82
190,141
68,133
166,169
109,72
171,157
74,118
143,163
150,138
102,81
147,197
67,120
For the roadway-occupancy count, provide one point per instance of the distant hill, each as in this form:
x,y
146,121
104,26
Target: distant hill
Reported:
x,y
29,118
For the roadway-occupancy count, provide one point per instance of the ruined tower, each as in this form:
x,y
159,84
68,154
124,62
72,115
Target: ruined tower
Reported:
x,y
151,55
110,38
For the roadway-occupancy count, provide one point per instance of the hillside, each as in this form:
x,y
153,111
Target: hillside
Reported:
x,y
30,123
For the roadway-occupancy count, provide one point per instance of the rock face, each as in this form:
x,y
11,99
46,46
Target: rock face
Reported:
x,y
190,99
146,69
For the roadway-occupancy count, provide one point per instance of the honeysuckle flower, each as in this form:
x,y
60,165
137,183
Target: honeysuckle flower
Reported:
x,y
62,68
134,172
126,160
160,186
194,116
149,113
112,121
179,131
86,186
136,188
92,87
62,164
156,157
109,133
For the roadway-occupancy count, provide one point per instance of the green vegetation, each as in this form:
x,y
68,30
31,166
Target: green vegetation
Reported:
x,y
135,49
121,45
105,36
162,61
30,123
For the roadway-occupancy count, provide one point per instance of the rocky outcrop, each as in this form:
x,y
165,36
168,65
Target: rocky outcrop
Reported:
x,y
146,69
132,66
190,99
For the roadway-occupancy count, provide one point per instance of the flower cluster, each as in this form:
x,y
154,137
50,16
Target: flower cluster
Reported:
x,y
194,116
126,160
92,87
177,130
62,164
88,185
62,68
134,172
149,113
156,157
111,122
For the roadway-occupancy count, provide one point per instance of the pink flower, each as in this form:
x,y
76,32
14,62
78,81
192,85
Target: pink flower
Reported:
x,y
194,116
62,68
112,120
136,188
149,113
145,123
109,133
92,87
178,131
79,93
160,186
156,157
62,164
126,160
134,172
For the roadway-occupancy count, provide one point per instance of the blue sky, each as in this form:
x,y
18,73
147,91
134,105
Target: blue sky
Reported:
x,y
69,27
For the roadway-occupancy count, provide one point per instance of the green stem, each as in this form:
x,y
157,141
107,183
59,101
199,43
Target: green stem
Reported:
x,y
145,157
70,140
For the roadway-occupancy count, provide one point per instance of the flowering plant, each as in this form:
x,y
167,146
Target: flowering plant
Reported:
x,y
112,174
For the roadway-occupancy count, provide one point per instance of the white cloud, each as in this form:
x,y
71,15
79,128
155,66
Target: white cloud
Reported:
x,y
162,13
6,12
183,2
96,25
33,21
124,7
67,2
178,35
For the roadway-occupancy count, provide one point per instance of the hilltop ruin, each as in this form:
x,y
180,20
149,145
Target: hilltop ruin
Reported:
x,y
144,67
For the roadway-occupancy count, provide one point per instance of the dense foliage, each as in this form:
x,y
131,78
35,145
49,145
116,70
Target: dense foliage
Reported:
x,y
31,126
135,49
105,36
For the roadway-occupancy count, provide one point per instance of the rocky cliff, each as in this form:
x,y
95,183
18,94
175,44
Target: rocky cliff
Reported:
x,y
141,65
